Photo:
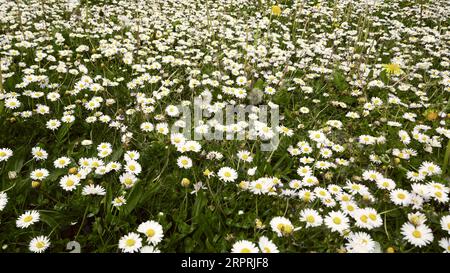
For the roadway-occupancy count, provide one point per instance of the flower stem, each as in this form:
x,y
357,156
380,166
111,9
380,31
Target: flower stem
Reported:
x,y
82,222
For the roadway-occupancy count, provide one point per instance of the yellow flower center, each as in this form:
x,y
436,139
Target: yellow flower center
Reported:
x,y
310,219
245,250
417,234
28,218
70,183
130,242
286,229
372,217
401,196
128,181
40,244
364,218
150,232
337,220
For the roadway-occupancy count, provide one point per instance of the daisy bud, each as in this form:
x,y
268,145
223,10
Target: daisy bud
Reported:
x,y
258,223
243,185
390,250
86,142
12,175
397,160
73,170
356,178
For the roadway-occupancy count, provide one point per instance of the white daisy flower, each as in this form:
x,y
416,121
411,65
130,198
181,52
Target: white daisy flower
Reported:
x,y
244,246
153,230
130,243
39,244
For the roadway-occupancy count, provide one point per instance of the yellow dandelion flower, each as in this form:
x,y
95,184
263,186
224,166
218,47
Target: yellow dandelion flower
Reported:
x,y
393,68
431,115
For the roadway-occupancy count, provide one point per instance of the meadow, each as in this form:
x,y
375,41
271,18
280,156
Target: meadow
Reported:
x,y
92,92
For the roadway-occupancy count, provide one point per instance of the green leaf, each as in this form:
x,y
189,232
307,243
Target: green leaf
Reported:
x,y
50,217
339,81
62,133
55,175
117,154
259,84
